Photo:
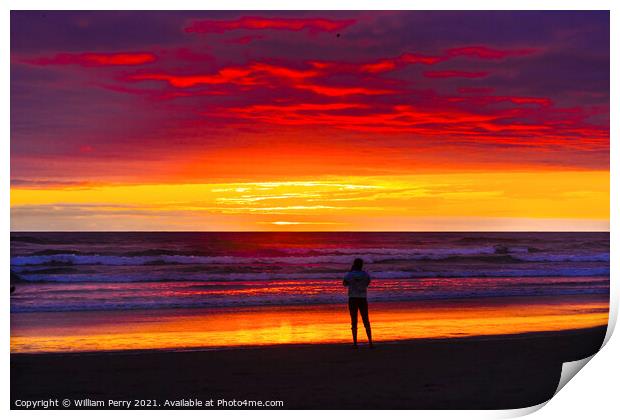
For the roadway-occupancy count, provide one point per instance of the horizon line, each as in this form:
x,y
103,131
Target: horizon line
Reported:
x,y
310,231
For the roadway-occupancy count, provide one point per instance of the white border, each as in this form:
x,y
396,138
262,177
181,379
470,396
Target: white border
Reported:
x,y
593,394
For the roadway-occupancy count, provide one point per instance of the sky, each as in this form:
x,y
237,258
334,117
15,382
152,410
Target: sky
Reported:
x,y
363,121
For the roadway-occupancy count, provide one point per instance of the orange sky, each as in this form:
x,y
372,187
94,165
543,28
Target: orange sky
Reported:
x,y
317,120
542,200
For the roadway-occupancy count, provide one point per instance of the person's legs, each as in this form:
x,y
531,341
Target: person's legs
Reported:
x,y
363,305
353,313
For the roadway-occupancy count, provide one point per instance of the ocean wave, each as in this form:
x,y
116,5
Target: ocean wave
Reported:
x,y
598,257
487,254
281,300
264,276
267,276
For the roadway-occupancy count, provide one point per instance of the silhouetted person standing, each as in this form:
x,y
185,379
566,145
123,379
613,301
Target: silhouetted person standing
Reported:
x,y
357,280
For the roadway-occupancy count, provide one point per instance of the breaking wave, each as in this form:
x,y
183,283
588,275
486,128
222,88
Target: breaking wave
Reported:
x,y
370,256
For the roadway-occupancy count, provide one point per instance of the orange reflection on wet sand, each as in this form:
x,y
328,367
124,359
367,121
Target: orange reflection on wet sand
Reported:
x,y
208,328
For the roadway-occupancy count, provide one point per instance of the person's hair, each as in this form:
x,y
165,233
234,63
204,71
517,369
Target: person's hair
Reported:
x,y
358,263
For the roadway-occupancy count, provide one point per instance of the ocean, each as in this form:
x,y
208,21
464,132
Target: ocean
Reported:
x,y
104,271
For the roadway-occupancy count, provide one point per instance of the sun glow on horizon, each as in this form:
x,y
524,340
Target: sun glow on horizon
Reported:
x,y
567,200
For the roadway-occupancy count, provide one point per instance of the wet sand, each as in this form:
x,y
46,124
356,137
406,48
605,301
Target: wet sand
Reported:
x,y
488,372
173,329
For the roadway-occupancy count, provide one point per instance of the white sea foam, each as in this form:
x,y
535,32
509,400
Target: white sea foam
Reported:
x,y
266,276
339,258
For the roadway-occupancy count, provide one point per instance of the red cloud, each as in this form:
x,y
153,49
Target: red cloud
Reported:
x,y
529,100
227,75
411,58
341,90
94,59
262,74
399,118
379,66
302,107
487,100
455,73
243,40
442,118
254,22
284,72
253,74
388,64
487,53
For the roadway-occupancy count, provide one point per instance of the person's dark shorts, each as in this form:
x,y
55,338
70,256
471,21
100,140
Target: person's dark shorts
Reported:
x,y
361,305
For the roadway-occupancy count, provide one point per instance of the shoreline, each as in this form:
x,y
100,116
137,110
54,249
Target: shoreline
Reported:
x,y
209,328
482,372
299,306
361,337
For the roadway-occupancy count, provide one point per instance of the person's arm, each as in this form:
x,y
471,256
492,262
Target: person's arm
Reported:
x,y
345,281
367,279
